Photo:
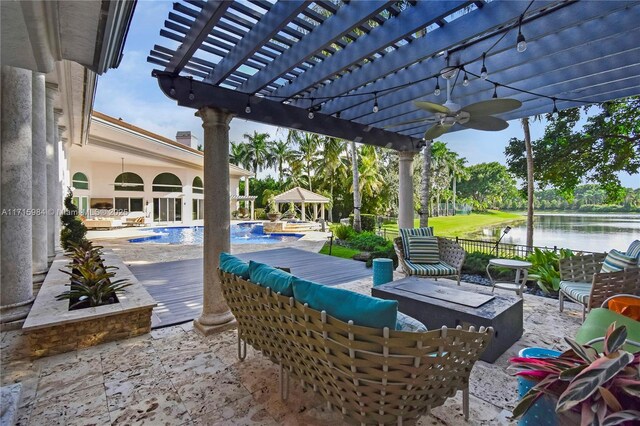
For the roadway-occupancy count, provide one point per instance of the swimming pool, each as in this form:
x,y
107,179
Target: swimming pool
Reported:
x,y
241,233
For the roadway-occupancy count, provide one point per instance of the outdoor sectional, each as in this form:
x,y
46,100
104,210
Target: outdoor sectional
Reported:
x,y
372,375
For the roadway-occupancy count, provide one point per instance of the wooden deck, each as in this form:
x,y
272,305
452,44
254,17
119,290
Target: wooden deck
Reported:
x,y
177,285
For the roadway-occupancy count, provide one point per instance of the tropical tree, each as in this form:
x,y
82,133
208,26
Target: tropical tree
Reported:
x,y
258,152
370,179
307,151
425,188
239,155
281,154
530,195
488,185
357,224
332,164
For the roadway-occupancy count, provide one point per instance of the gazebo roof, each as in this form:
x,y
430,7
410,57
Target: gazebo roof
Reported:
x,y
300,195
336,59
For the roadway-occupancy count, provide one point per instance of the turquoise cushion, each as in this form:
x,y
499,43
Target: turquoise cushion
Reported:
x,y
423,249
617,261
405,232
634,250
407,323
233,265
273,278
346,305
576,290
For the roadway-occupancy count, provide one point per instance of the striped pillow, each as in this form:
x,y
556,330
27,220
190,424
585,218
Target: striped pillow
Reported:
x,y
617,261
634,249
405,232
407,323
424,249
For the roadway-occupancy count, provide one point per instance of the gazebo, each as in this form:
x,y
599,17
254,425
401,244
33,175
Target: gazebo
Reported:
x,y
303,197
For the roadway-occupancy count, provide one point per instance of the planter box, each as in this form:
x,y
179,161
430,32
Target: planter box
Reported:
x,y
52,328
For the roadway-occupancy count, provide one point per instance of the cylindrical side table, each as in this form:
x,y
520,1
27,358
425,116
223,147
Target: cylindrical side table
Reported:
x,y
382,271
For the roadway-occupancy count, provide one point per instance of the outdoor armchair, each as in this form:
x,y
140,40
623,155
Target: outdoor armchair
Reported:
x,y
452,257
583,283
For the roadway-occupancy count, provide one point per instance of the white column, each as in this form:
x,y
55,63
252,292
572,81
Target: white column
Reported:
x,y
322,211
304,212
59,193
253,215
52,173
315,212
16,285
246,186
39,180
405,193
215,315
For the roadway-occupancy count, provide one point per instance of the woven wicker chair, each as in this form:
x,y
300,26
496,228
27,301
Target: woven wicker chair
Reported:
x,y
451,253
373,376
582,281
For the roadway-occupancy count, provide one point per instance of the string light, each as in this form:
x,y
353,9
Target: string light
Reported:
x,y
192,96
495,90
375,103
465,80
555,109
338,114
247,109
521,43
172,90
437,89
483,71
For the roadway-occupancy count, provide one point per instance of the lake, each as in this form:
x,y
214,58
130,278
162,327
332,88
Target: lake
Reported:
x,y
588,232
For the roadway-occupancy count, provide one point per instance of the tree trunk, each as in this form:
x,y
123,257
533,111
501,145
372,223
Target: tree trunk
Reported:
x,y
527,144
454,194
424,189
331,208
356,189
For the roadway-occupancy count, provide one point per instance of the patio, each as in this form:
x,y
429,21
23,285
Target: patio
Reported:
x,y
178,377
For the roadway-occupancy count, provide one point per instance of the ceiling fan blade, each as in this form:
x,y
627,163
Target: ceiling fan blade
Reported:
x,y
420,120
492,106
486,123
431,107
435,131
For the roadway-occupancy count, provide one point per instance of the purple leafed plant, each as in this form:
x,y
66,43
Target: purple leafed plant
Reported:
x,y
604,388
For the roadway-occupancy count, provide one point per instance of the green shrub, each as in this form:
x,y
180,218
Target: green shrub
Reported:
x,y
73,230
368,241
367,221
260,214
383,252
475,263
546,268
344,232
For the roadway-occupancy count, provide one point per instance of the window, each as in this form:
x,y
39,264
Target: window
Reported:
x,y
129,204
80,181
128,181
167,182
198,187
197,209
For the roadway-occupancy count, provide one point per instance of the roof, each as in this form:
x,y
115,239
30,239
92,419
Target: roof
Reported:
x,y
338,59
300,195
159,138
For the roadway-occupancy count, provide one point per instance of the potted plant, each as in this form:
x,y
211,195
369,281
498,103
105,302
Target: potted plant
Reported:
x,y
600,388
545,268
291,212
273,214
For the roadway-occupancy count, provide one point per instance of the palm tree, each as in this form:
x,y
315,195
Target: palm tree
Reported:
x,y
370,179
307,152
425,189
258,150
332,163
529,151
281,155
356,188
239,155
458,172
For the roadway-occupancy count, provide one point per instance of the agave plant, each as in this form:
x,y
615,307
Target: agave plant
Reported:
x,y
604,388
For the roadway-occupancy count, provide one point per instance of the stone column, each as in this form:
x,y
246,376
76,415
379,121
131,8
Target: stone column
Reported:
x,y
39,181
16,285
246,186
215,316
52,173
405,192
303,213
59,194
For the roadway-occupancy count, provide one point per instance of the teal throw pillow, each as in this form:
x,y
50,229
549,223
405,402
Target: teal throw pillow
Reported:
x,y
423,249
407,323
273,278
405,232
346,305
617,261
634,250
233,265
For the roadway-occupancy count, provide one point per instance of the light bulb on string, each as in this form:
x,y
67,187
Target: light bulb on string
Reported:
x,y
521,43
437,89
376,108
495,91
483,71
555,109
192,96
247,109
172,90
465,80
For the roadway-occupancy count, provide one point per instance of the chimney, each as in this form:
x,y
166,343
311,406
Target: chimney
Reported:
x,y
188,139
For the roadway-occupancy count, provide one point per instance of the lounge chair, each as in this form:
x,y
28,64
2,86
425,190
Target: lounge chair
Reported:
x,y
134,219
583,283
451,254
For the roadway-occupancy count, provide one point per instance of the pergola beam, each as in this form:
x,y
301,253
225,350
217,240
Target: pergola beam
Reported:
x,y
332,28
211,13
272,22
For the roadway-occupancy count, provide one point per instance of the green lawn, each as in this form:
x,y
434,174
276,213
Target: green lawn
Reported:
x,y
339,251
460,225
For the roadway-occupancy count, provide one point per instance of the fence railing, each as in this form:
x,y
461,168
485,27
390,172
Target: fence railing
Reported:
x,y
503,250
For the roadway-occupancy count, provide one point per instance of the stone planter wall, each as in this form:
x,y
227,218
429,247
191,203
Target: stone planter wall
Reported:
x,y
53,329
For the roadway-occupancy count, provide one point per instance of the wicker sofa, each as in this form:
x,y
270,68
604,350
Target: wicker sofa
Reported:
x,y
452,257
373,376
582,281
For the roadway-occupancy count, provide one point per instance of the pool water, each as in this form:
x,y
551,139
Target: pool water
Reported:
x,y
241,233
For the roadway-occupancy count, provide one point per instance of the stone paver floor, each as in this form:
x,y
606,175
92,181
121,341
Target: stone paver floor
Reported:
x,y
174,376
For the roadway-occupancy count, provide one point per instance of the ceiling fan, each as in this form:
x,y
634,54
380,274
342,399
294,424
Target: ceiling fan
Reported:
x,y
123,183
474,116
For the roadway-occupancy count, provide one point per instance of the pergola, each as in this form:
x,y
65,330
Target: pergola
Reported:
x,y
303,197
351,69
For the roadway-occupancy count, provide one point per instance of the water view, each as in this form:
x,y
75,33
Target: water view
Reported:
x,y
589,232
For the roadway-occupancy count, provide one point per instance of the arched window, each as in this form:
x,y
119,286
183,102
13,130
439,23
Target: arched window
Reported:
x,y
80,181
198,187
167,182
128,181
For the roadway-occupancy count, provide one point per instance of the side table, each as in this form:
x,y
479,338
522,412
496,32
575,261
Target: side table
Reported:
x,y
522,272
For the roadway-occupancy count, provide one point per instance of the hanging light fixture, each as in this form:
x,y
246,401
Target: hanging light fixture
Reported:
x,y
483,71
555,109
521,43
375,102
247,109
310,110
172,90
465,80
437,89
495,90
192,95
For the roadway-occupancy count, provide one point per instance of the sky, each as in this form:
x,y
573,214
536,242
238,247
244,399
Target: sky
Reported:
x,y
131,93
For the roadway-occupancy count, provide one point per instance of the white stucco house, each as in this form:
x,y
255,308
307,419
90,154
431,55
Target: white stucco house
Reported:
x,y
123,168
